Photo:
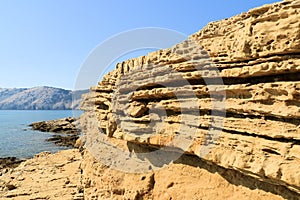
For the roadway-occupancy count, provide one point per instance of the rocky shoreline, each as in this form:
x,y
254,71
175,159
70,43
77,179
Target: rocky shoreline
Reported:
x,y
256,154
67,141
67,136
9,163
67,130
46,176
67,125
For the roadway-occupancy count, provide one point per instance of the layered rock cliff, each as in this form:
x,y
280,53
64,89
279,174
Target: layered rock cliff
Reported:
x,y
222,109
230,94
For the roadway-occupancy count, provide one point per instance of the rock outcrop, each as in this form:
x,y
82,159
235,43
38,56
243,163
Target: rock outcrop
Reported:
x,y
9,163
187,178
69,126
230,94
67,141
46,176
222,109
67,175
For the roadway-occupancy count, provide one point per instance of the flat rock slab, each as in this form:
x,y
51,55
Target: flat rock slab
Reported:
x,y
46,176
66,125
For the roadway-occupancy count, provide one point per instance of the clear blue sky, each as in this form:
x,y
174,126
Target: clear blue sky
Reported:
x,y
44,42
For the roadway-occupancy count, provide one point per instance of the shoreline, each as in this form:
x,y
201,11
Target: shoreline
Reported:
x,y
66,130
7,163
64,134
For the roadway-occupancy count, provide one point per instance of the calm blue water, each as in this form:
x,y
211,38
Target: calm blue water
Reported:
x,y
16,138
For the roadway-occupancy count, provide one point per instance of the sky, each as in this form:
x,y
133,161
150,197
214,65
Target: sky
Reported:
x,y
46,43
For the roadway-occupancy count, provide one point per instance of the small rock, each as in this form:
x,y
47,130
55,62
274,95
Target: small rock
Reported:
x,y
78,143
137,109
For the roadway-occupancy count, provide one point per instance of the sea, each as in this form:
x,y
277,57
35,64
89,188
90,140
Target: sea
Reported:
x,y
17,139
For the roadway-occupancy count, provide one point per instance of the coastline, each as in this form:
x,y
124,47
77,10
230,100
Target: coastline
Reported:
x,y
9,163
65,163
66,135
17,139
130,147
68,174
46,176
67,130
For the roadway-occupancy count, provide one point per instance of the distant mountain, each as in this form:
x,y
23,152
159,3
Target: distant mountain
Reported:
x,y
39,98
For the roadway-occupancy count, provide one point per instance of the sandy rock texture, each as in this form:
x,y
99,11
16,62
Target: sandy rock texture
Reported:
x,y
68,175
9,163
46,176
226,102
229,95
188,178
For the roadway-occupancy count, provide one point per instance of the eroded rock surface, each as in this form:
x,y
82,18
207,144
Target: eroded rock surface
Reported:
x,y
46,176
9,163
67,125
248,122
68,175
187,178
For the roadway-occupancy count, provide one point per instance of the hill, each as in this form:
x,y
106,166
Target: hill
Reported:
x,y
39,98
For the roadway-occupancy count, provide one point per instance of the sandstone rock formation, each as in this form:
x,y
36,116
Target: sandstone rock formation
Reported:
x,y
67,125
244,116
234,131
187,178
67,140
46,176
66,175
9,163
